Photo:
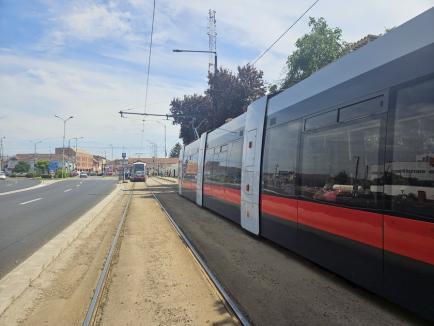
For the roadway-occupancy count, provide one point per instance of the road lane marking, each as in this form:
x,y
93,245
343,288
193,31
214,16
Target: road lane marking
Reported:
x,y
30,201
77,185
68,190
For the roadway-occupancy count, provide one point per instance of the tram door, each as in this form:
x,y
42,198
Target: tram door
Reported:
x,y
251,165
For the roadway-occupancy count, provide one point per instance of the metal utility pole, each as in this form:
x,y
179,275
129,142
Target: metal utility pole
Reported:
x,y
34,154
111,145
76,145
165,138
63,143
212,41
1,152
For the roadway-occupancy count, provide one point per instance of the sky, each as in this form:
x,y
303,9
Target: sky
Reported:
x,y
88,59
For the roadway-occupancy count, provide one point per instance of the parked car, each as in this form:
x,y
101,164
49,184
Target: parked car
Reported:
x,y
2,175
83,175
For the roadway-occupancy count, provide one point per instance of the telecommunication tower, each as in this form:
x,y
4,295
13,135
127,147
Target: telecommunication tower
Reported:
x,y
212,35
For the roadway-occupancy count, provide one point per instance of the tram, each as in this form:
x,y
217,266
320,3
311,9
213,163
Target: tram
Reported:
x,y
138,172
338,168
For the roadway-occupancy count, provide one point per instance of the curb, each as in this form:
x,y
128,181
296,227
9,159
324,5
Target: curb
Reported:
x,y
13,284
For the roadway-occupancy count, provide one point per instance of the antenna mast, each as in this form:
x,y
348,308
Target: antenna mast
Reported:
x,y
212,36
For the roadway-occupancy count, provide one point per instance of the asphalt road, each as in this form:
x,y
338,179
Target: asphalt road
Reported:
x,y
272,285
11,184
31,218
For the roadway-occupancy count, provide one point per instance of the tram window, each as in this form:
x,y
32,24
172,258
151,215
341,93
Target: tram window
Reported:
x,y
322,120
234,162
361,109
280,159
341,165
209,156
411,172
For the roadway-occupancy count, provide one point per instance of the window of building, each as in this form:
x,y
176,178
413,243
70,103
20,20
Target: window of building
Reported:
x,y
342,165
280,159
411,173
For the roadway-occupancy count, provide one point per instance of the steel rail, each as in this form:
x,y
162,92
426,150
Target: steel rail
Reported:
x,y
229,300
94,303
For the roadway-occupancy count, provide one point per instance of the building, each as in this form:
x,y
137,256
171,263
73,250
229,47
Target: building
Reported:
x,y
56,160
83,160
99,162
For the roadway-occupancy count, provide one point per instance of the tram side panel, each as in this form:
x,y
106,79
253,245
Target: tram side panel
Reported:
x,y
190,171
222,170
409,192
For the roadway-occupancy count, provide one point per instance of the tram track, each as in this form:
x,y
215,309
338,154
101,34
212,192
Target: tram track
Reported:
x,y
230,302
101,284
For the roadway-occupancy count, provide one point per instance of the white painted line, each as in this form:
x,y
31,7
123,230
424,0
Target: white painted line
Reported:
x,y
77,185
30,201
68,190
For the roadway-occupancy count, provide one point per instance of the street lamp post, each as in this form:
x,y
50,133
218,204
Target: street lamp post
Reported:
x,y
69,146
34,154
1,152
65,120
214,102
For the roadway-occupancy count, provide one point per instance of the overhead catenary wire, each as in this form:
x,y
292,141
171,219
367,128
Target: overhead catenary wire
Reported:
x,y
149,57
283,34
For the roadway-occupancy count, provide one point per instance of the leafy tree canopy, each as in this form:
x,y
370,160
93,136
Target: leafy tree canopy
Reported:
x,y
226,97
176,149
42,165
321,46
22,167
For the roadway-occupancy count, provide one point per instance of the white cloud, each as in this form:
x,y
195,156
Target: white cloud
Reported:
x,y
34,88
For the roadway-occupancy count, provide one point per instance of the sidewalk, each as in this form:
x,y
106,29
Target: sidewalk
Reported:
x,y
155,279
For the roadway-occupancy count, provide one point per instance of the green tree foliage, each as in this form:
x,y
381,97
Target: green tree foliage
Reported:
x,y
226,97
174,152
42,166
321,46
191,112
22,167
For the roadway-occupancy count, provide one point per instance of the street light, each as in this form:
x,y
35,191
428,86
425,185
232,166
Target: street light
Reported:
x,y
65,120
34,154
214,102
69,146
1,152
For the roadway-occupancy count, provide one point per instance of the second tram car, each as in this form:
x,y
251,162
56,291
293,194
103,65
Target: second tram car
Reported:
x,y
138,172
339,168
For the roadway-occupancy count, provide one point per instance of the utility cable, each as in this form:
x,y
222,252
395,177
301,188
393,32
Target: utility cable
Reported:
x,y
283,34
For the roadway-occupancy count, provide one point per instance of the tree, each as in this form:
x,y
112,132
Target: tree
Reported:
x,y
174,152
315,50
191,113
22,167
42,166
227,96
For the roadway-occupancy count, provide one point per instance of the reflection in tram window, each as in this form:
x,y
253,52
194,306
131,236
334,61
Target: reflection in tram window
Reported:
x,y
411,185
341,165
280,158
234,163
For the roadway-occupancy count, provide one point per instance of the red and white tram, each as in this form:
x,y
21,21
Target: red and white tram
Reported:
x,y
338,168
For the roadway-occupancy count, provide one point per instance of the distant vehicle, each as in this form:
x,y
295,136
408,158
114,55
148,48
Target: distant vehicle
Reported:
x,y
83,175
2,175
138,172
92,173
